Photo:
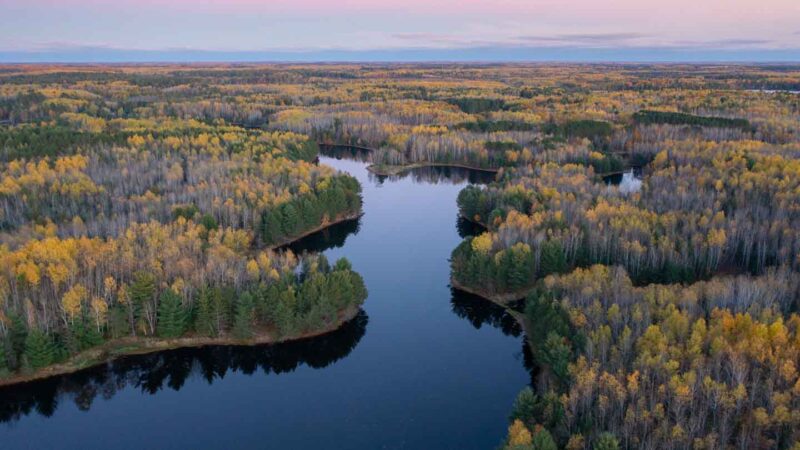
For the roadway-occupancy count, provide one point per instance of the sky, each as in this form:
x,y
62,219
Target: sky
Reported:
x,y
403,30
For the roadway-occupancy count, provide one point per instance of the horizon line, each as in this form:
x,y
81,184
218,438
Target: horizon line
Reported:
x,y
492,54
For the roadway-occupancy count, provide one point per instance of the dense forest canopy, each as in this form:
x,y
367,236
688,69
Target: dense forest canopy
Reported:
x,y
118,223
150,200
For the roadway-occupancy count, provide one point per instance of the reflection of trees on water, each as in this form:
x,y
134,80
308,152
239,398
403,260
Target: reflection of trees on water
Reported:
x,y
345,152
428,174
440,175
467,228
479,312
152,373
331,237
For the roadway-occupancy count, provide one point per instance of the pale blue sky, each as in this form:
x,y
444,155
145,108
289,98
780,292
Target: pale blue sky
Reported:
x,y
141,30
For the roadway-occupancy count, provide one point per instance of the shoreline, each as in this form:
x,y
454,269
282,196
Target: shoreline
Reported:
x,y
390,170
325,224
473,221
502,300
131,346
398,170
357,147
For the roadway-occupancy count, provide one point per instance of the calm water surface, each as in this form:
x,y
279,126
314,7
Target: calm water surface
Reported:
x,y
628,182
421,367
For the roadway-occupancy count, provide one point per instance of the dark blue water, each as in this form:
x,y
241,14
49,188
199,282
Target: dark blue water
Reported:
x,y
421,367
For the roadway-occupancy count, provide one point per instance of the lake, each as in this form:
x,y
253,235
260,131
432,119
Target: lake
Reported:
x,y
421,367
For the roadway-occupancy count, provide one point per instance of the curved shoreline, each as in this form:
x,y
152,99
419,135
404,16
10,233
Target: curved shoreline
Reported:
x,y
502,300
130,346
388,170
325,224
357,147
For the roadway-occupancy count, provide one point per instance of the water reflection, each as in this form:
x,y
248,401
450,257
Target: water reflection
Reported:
x,y
627,182
479,312
426,175
346,152
440,175
171,369
451,362
332,237
467,228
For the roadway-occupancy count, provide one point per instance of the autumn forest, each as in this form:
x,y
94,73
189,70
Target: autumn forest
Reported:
x,y
145,208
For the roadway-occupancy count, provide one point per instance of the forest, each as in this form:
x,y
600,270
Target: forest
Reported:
x,y
152,202
121,228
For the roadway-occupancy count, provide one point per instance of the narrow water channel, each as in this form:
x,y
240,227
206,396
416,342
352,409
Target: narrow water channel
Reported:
x,y
421,367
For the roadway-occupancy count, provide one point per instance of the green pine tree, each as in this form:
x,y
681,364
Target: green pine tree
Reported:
x,y
244,316
284,312
171,315
524,406
17,334
3,360
39,351
204,320
553,259
606,441
81,335
118,325
271,227
520,269
556,354
143,287
142,292
543,440
291,221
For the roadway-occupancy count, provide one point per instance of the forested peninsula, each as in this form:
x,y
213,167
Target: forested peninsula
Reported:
x,y
125,230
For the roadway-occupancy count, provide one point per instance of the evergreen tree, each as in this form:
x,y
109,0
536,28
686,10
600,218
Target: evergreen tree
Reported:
x,y
342,264
553,259
224,307
3,359
118,325
271,226
39,351
204,319
543,440
266,302
143,287
291,220
81,335
17,334
142,292
209,222
524,406
284,312
606,441
243,319
520,268
556,354
171,315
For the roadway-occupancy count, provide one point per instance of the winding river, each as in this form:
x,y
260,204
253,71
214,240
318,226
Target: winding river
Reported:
x,y
421,367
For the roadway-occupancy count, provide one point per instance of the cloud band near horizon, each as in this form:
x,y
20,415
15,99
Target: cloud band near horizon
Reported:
x,y
74,27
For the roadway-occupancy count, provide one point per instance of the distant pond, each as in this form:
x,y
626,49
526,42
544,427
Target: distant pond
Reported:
x,y
628,181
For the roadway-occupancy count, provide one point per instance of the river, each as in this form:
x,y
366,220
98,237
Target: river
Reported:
x,y
421,367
